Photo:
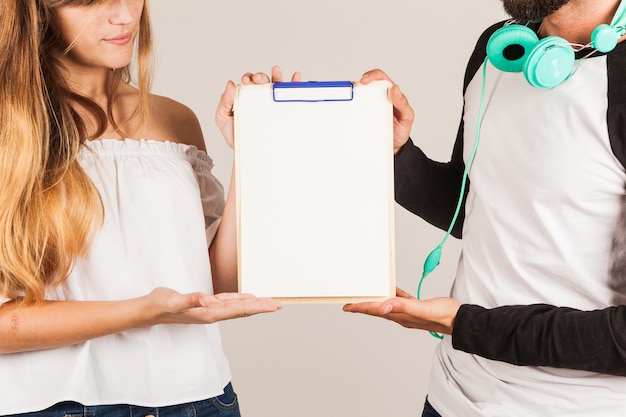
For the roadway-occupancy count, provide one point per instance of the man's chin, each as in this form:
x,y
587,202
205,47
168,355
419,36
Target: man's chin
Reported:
x,y
531,10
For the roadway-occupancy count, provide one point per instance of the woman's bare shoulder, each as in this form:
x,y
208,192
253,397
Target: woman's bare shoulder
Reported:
x,y
170,120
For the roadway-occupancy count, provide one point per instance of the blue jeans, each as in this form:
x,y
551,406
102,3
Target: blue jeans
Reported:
x,y
429,411
225,405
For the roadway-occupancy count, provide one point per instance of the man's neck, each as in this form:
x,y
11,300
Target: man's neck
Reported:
x,y
577,19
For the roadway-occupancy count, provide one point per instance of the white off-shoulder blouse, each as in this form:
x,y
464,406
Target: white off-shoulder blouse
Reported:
x,y
162,208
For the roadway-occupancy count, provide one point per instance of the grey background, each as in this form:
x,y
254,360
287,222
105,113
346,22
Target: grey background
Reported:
x,y
315,360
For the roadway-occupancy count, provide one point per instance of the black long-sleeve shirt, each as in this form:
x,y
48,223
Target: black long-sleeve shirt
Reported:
x,y
534,335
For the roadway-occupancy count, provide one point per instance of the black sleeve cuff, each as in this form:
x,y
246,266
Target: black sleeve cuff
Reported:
x,y
544,335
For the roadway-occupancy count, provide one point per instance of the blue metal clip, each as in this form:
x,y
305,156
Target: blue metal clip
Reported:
x,y
313,91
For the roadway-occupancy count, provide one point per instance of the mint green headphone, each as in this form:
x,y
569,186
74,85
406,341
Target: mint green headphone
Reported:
x,y
548,62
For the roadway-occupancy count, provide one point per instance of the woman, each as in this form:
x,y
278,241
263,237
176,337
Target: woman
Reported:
x,y
108,210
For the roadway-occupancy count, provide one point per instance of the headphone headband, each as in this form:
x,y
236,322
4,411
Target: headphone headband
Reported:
x,y
619,19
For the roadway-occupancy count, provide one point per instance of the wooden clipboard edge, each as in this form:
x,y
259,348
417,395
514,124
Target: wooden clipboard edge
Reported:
x,y
236,130
330,300
391,199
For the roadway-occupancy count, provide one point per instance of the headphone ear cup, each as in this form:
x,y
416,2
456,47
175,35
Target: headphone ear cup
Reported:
x,y
604,38
549,63
509,46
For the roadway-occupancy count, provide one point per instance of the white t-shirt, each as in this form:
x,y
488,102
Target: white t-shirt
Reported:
x,y
162,207
541,211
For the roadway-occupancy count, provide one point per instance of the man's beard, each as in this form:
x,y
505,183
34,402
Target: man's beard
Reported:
x,y
528,10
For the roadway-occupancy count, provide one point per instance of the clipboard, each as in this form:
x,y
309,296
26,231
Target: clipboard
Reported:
x,y
315,199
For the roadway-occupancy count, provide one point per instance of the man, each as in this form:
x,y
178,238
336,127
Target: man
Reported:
x,y
542,220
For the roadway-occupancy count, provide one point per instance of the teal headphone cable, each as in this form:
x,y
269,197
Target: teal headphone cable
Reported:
x,y
433,259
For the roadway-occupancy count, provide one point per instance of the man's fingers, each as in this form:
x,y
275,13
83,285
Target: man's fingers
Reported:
x,y
374,75
402,109
371,308
403,294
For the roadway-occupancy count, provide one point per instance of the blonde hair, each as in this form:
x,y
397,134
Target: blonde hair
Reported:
x,y
49,208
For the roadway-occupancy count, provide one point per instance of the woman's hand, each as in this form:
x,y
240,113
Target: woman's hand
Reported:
x,y
169,306
403,114
224,116
435,315
52,324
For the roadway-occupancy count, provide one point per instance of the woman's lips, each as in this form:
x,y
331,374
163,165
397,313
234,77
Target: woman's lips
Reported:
x,y
120,40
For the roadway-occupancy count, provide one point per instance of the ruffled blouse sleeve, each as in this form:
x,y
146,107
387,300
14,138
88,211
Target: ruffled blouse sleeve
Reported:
x,y
211,191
